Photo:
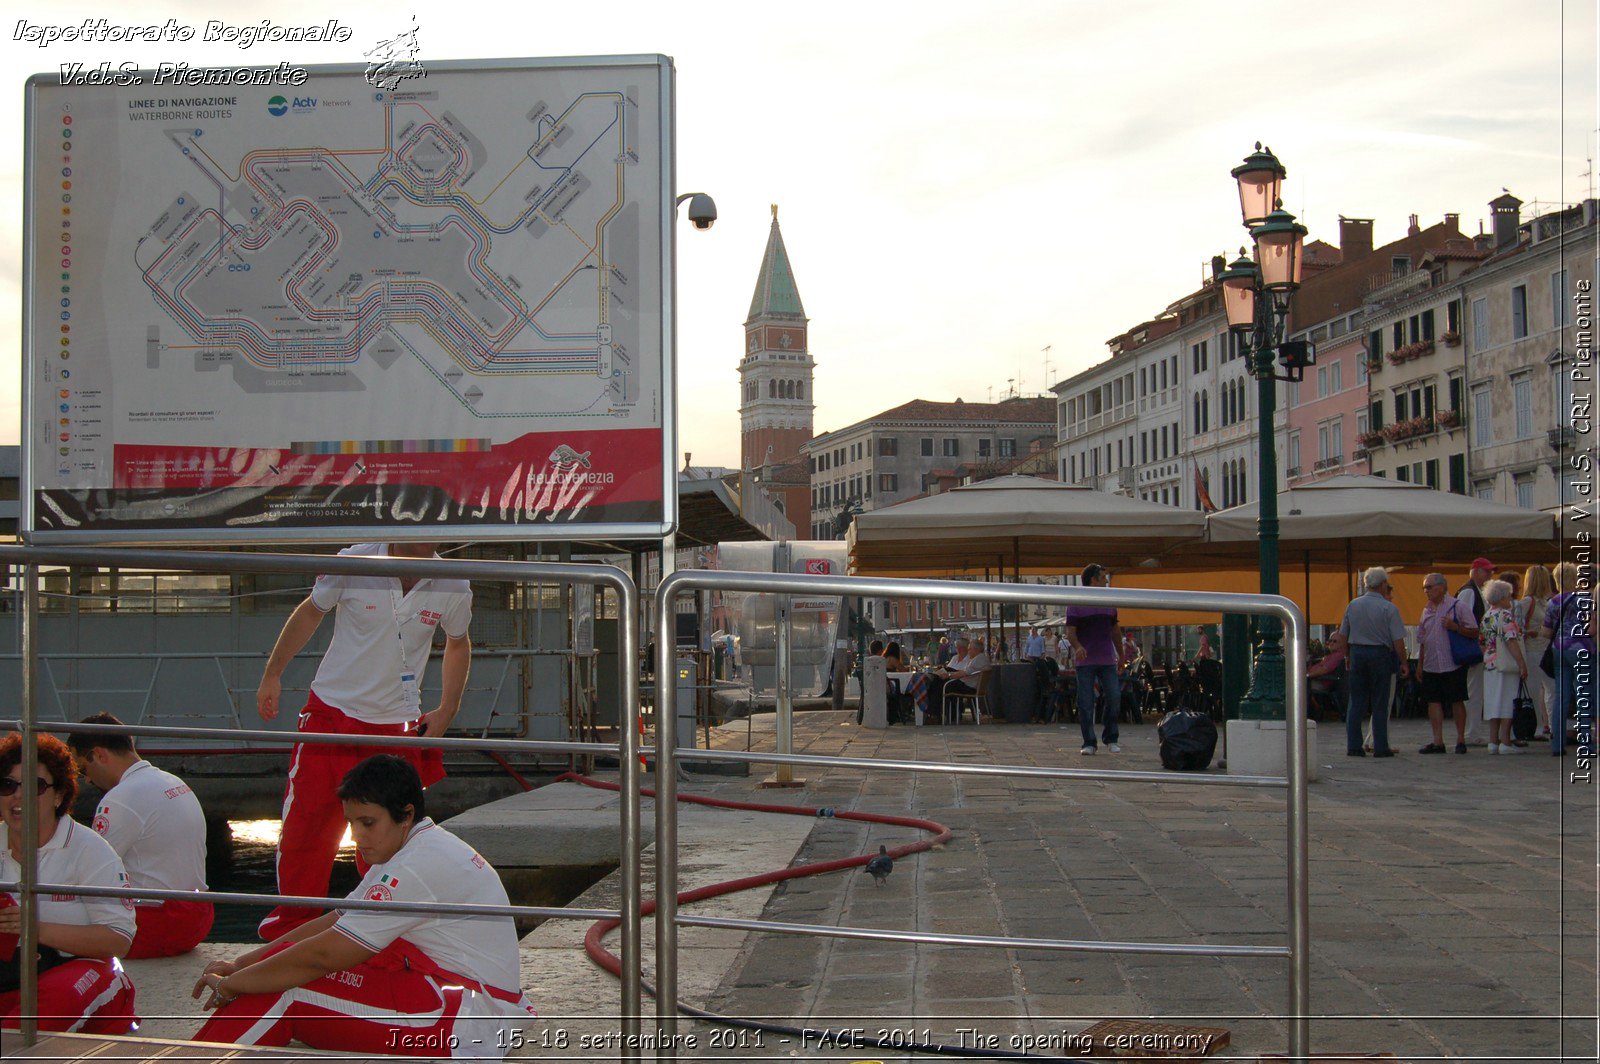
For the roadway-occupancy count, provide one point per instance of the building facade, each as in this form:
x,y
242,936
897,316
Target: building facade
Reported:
x,y
1416,370
1119,422
1170,417
1345,416
1529,391
915,448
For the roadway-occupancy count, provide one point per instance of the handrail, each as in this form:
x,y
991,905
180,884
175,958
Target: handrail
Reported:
x,y
667,919
262,735
506,655
1023,771
247,655
603,576
308,902
1178,949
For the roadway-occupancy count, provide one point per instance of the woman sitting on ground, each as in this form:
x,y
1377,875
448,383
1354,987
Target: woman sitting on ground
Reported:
x,y
371,981
82,986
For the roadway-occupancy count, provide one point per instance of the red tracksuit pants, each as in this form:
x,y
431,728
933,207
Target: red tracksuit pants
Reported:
x,y
313,816
396,1003
86,995
170,928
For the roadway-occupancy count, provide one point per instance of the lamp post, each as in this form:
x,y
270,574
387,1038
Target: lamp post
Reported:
x,y
1256,296
702,215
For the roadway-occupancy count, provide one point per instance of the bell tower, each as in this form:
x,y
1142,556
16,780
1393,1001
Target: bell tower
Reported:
x,y
775,396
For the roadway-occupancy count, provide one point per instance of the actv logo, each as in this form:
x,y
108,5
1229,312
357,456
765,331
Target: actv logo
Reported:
x,y
278,106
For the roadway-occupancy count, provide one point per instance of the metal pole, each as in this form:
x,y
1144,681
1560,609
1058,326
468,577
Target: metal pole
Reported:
x,y
632,955
1299,841
1264,701
785,689
28,940
666,837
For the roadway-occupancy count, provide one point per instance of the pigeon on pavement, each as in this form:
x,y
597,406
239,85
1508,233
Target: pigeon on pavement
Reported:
x,y
880,866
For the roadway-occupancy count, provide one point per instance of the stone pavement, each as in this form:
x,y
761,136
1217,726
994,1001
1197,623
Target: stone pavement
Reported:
x,y
1453,899
1453,905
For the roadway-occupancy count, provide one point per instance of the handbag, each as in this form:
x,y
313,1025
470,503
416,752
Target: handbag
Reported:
x,y
1547,660
1464,650
1524,718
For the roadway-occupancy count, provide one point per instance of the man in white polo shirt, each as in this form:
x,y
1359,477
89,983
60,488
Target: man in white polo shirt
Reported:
x,y
155,823
368,683
373,981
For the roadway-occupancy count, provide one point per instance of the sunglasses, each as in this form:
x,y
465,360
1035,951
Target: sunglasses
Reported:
x,y
9,786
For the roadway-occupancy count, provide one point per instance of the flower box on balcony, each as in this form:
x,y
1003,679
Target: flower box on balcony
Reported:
x,y
1450,339
1448,419
1411,427
1370,440
1407,352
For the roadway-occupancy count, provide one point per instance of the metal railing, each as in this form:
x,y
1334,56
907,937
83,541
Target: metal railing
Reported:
x,y
59,693
627,751
667,919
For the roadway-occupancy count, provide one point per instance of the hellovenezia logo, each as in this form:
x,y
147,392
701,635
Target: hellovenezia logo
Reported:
x,y
617,467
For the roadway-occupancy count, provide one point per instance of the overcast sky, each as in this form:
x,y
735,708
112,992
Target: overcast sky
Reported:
x,y
962,185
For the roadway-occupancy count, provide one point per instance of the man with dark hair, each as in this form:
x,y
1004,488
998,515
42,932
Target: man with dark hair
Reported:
x,y
1095,638
387,781
368,683
377,980
155,823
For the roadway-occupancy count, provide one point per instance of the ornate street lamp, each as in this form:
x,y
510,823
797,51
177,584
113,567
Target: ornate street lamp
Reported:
x,y
1256,295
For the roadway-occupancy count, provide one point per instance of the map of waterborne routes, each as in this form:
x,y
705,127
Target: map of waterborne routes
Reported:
x,y
334,306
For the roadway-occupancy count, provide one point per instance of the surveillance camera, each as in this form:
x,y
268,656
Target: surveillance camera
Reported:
x,y
702,211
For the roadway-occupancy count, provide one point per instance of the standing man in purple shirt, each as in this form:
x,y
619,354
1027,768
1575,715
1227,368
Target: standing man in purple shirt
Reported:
x,y
1444,683
1094,635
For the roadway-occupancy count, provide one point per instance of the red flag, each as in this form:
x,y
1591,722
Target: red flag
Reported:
x,y
1202,494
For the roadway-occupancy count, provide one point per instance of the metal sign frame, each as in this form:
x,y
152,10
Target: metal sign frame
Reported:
x,y
194,531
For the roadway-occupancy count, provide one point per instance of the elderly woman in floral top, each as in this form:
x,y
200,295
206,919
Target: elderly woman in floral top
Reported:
x,y
1504,666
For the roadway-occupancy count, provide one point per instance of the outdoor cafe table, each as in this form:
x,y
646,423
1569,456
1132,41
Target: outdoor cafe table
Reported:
x,y
903,680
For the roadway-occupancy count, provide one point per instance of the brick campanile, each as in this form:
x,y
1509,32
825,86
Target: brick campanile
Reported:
x,y
775,396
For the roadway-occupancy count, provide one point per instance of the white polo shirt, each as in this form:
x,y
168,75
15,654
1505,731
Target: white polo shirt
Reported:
x,y
78,856
381,636
154,822
435,866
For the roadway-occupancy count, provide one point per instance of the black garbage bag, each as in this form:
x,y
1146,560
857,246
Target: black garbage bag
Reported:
x,y
1188,741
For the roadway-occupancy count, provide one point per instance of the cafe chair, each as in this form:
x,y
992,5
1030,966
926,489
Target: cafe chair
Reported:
x,y
959,698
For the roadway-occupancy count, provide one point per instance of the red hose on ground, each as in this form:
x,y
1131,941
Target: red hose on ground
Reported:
x,y
593,942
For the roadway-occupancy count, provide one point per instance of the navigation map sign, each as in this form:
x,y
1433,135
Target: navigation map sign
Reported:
x,y
335,311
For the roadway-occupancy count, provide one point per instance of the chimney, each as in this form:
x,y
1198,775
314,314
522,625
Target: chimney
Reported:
x,y
1507,218
1453,222
1413,229
1355,237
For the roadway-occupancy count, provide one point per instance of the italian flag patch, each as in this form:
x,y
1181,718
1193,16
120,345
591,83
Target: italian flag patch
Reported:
x,y
389,881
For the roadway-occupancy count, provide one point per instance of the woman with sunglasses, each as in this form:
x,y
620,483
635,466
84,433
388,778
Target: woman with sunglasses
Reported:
x,y
82,986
